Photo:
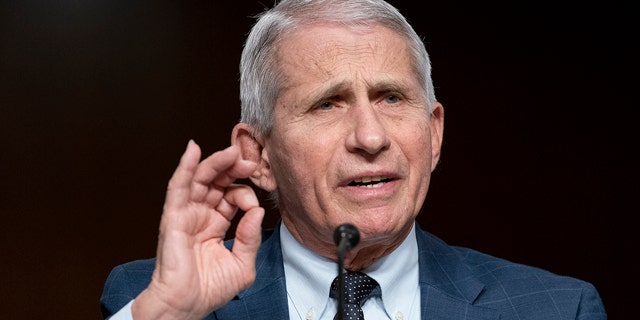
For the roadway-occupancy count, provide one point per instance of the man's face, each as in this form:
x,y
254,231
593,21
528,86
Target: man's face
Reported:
x,y
352,140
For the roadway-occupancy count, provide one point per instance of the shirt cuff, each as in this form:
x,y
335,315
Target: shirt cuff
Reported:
x,y
124,313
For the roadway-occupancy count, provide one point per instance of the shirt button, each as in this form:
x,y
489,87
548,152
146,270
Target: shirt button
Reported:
x,y
399,315
310,314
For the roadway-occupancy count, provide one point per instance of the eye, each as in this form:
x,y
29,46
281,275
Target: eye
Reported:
x,y
326,106
391,99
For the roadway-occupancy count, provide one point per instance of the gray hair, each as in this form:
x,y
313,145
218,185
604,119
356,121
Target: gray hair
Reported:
x,y
260,77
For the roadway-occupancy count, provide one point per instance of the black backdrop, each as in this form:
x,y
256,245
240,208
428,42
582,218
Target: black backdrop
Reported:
x,y
99,98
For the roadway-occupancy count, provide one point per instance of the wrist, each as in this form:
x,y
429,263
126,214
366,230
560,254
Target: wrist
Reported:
x,y
150,305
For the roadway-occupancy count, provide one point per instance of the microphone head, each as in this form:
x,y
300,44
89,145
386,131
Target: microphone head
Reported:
x,y
349,233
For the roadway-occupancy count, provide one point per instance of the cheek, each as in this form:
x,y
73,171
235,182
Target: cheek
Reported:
x,y
416,146
298,161
415,138
313,144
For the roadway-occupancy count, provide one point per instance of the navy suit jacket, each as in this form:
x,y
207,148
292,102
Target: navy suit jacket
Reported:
x,y
455,283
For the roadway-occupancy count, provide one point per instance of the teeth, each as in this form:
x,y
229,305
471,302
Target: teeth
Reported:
x,y
369,182
377,185
368,179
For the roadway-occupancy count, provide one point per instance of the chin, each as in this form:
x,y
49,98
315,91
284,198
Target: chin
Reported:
x,y
379,230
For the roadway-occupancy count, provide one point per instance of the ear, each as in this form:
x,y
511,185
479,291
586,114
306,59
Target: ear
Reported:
x,y
436,125
252,149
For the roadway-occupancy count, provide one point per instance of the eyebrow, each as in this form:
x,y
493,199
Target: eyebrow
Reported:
x,y
388,86
340,87
332,91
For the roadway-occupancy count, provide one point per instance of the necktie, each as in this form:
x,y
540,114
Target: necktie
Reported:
x,y
357,287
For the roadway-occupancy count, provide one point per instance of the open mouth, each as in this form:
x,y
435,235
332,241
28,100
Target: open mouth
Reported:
x,y
369,182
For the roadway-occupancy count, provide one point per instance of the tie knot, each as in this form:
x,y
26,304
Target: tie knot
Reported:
x,y
357,287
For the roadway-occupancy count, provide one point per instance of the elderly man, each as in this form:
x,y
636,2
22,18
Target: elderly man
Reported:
x,y
341,124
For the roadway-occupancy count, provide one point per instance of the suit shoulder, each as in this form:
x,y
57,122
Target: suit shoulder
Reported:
x,y
508,284
491,267
124,283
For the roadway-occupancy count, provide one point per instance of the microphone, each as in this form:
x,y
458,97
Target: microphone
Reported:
x,y
346,236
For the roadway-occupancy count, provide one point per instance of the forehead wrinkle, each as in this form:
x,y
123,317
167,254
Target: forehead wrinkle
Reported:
x,y
326,56
336,75
347,88
332,90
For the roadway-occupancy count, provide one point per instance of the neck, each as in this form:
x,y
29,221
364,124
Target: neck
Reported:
x,y
368,251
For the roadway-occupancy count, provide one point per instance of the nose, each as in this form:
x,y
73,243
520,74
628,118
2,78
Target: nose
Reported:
x,y
368,133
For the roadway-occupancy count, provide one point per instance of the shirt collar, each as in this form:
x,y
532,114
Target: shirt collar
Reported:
x,y
398,275
309,275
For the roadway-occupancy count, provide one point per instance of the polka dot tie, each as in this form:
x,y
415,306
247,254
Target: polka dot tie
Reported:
x,y
357,287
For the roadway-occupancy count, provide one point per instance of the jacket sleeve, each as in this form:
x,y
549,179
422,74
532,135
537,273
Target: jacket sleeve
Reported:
x,y
123,284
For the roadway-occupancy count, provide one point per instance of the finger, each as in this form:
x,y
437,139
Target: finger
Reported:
x,y
240,169
237,196
180,182
248,232
224,167
210,169
248,237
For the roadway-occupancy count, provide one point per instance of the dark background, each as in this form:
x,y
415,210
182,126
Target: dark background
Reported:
x,y
99,98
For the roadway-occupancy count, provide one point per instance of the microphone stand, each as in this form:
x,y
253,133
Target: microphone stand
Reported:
x,y
346,236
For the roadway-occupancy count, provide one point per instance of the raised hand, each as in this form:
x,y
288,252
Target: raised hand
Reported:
x,y
195,273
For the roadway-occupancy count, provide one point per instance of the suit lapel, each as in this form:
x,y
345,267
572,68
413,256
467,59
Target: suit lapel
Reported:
x,y
266,298
447,288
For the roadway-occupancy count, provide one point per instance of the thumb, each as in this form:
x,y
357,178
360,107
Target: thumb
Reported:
x,y
248,236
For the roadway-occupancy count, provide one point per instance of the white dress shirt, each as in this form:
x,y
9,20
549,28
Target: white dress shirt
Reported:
x,y
309,276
